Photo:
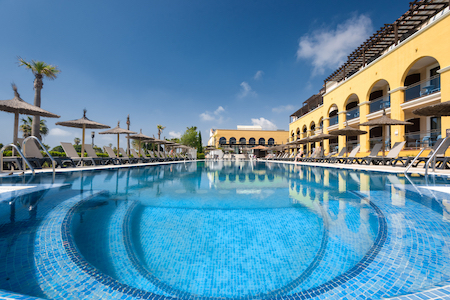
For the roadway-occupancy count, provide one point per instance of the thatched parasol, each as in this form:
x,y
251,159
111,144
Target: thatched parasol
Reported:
x,y
259,147
158,142
348,131
384,121
18,106
437,110
83,123
320,137
139,137
229,149
117,130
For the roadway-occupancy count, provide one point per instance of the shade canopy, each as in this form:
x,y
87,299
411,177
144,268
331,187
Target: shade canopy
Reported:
x,y
139,137
259,147
320,137
436,110
384,121
117,130
18,106
84,123
348,131
228,149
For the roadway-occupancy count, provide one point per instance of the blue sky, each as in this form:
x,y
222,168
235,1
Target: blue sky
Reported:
x,y
178,63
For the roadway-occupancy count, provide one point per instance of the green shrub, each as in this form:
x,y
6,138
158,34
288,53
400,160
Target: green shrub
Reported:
x,y
200,155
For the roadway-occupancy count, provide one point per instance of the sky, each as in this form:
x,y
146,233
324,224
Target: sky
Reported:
x,y
210,64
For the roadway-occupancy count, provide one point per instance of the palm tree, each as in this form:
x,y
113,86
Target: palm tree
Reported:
x,y
160,130
28,124
40,69
77,141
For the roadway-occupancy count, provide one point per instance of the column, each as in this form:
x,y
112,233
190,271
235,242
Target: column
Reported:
x,y
326,143
445,96
364,110
397,98
342,115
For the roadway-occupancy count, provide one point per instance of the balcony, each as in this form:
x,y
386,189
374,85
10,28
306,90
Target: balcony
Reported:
x,y
352,114
423,88
333,120
419,139
379,103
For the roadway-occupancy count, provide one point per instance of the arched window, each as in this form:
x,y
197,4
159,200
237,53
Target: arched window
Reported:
x,y
251,141
262,141
242,141
232,141
271,141
222,141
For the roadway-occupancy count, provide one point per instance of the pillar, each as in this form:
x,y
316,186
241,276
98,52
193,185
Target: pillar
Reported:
x,y
342,115
326,143
397,98
445,96
364,110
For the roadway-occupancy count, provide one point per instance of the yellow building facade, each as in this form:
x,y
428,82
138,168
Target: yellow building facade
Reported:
x,y
410,73
247,136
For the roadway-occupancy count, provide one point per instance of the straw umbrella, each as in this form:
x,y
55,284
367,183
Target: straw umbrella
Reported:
x,y
83,123
259,147
348,131
18,106
158,142
384,121
139,137
305,140
117,130
437,110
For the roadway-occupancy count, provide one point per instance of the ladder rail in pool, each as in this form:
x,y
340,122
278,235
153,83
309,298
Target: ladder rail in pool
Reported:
x,y
25,161
45,149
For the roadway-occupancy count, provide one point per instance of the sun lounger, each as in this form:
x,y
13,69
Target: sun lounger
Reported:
x,y
113,156
73,155
405,161
333,159
97,160
126,157
392,155
364,160
143,159
351,157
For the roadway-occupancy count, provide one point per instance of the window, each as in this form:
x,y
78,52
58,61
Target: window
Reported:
x,y
232,141
271,141
251,141
222,141
242,141
262,141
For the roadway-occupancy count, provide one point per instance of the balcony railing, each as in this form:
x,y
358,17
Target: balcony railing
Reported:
x,y
352,113
379,103
333,120
421,139
423,88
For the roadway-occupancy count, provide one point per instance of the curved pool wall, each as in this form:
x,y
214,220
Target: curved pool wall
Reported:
x,y
111,235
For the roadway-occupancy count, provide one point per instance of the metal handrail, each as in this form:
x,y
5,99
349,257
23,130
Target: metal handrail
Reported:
x,y
45,149
414,160
433,157
25,161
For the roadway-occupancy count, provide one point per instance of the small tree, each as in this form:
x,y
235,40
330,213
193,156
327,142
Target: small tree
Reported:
x,y
190,137
200,146
77,141
160,130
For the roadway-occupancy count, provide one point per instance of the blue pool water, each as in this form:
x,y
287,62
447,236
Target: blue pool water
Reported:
x,y
215,230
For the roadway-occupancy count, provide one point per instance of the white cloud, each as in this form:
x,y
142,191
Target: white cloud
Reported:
x,y
329,48
59,132
174,134
264,123
258,75
283,108
246,90
213,116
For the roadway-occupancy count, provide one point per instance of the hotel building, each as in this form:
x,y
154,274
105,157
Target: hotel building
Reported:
x,y
401,67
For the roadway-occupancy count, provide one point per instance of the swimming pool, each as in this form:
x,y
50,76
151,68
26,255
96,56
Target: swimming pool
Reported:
x,y
210,230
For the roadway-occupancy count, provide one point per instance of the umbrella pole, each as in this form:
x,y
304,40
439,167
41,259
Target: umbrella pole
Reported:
x,y
384,139
118,153
16,131
82,141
